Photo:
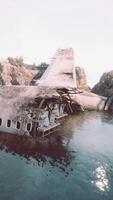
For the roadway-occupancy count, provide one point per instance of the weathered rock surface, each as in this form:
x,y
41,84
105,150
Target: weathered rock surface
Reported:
x,y
105,85
81,79
14,72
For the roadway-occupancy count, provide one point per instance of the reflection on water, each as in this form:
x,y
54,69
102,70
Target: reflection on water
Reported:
x,y
76,162
102,181
53,151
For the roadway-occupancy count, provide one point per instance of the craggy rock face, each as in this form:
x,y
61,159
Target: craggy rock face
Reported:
x,y
81,79
14,72
105,85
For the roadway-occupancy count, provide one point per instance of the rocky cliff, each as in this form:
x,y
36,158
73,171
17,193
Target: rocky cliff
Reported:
x,y
14,72
105,85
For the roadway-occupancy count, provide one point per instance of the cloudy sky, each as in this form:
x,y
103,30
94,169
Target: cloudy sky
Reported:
x,y
35,29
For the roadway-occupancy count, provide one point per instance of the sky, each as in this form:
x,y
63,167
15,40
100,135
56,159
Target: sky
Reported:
x,y
35,29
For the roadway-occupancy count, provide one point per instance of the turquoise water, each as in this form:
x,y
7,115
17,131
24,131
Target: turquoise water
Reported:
x,y
75,163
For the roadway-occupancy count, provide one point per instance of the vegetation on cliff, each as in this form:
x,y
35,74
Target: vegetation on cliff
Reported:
x,y
105,85
13,71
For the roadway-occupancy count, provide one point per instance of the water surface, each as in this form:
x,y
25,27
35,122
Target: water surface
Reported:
x,y
75,163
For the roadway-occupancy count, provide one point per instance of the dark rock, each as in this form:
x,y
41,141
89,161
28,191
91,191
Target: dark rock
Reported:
x,y
105,85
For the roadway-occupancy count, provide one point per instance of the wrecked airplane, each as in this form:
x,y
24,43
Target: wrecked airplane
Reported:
x,y
37,111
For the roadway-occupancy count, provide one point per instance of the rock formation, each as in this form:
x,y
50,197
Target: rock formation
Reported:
x,y
81,79
14,72
105,85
